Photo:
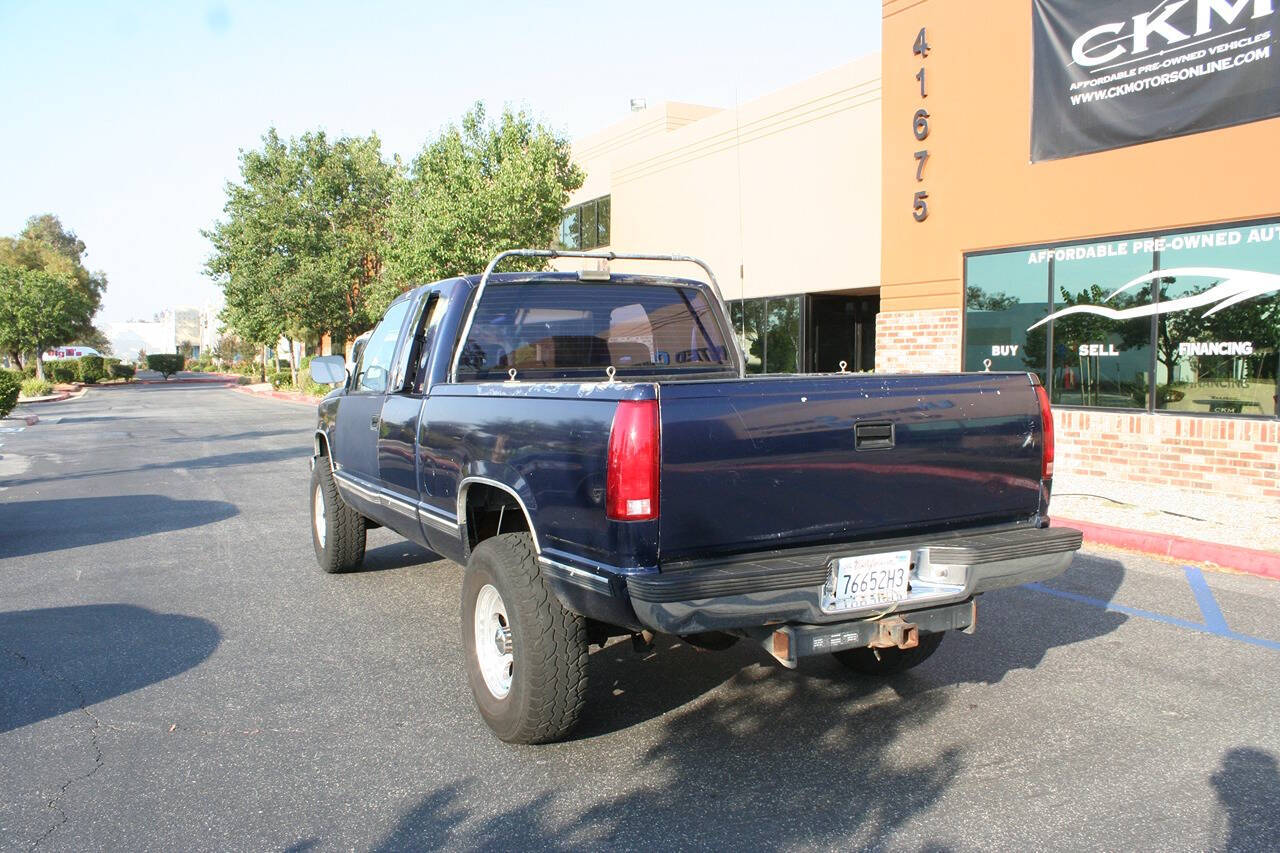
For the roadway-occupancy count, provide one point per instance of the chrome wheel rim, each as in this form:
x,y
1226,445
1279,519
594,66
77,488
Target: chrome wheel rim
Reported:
x,y
317,515
495,648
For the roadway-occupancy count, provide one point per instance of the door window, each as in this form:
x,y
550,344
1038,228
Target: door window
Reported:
x,y
375,363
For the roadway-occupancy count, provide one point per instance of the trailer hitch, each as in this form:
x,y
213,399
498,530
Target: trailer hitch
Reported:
x,y
894,632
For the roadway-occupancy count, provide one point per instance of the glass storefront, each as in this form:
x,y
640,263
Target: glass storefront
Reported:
x,y
1185,321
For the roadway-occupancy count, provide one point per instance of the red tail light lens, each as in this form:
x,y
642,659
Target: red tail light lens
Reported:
x,y
1046,419
631,485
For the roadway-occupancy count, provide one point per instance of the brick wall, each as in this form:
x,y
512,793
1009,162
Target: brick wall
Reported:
x,y
1219,455
918,341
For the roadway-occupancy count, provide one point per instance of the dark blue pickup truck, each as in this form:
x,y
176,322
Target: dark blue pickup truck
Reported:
x,y
589,447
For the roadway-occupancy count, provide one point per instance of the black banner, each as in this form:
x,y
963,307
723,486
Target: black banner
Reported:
x,y
1111,74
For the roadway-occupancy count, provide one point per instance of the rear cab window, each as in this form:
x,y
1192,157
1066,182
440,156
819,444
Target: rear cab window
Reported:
x,y
575,330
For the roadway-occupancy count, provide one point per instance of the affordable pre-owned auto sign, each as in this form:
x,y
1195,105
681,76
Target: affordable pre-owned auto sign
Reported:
x,y
1120,73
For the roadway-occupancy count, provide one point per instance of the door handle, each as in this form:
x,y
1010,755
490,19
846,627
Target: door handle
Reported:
x,y
373,421
873,436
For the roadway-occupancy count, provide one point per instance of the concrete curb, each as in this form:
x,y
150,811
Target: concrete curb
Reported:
x,y
286,396
1250,560
48,398
29,420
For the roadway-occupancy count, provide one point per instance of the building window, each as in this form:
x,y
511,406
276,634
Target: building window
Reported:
x,y
1184,321
769,331
586,225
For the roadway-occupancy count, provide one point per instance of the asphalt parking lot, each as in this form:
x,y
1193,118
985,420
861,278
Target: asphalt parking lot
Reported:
x,y
175,673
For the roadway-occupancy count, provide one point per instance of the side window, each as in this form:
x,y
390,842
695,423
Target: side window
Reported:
x,y
415,359
375,363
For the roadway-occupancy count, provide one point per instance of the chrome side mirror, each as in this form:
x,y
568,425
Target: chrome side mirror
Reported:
x,y
329,370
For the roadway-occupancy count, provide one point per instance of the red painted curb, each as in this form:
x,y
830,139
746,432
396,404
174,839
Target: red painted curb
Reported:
x,y
1253,561
287,396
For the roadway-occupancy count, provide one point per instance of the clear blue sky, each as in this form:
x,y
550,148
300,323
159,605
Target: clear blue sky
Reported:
x,y
125,118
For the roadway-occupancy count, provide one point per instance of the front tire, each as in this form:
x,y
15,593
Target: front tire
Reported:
x,y
337,530
891,661
526,656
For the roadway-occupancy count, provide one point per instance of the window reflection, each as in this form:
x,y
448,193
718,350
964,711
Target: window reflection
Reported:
x,y
1198,331
1004,296
1099,361
586,225
783,353
1223,362
748,324
769,332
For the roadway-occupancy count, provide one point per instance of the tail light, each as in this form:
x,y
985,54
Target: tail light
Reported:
x,y
1046,420
631,484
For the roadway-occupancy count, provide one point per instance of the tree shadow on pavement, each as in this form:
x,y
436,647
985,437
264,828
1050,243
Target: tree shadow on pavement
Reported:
x,y
1248,789
63,659
253,435
745,754
218,460
772,758
37,527
1017,627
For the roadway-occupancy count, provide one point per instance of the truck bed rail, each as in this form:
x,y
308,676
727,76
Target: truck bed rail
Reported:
x,y
732,339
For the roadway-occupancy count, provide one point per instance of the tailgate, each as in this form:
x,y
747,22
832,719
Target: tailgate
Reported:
x,y
769,462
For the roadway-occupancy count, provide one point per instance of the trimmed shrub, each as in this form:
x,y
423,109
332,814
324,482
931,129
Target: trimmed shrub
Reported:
x,y
62,370
166,364
245,380
10,385
92,369
120,370
36,388
29,369
280,379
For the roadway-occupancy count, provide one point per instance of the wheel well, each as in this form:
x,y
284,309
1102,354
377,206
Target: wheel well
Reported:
x,y
322,444
491,511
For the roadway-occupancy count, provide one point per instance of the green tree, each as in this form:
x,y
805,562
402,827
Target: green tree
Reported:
x,y
10,387
299,249
478,189
40,309
167,364
44,245
977,299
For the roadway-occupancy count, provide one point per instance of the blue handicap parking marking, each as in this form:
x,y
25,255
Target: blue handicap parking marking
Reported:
x,y
1214,622
1213,618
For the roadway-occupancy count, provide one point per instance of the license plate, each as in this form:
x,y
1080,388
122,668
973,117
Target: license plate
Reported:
x,y
867,580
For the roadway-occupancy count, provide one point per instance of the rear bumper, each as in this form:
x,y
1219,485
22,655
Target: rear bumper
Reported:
x,y
749,593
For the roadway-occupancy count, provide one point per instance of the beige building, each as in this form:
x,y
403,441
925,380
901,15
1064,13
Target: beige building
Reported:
x,y
781,196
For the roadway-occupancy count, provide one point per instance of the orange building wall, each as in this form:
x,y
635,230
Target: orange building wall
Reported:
x,y
983,190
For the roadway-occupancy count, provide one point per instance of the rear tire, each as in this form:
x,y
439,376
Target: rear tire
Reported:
x,y
525,655
891,660
337,530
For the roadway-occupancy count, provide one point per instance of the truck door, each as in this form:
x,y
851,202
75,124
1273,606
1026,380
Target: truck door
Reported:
x,y
403,408
355,451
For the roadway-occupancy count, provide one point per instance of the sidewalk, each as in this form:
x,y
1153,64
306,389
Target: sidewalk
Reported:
x,y
1235,533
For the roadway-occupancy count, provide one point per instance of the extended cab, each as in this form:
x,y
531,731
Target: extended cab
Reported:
x,y
589,447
